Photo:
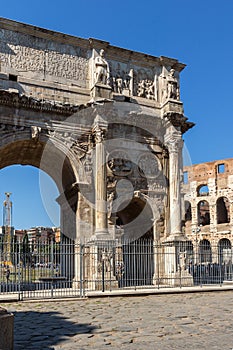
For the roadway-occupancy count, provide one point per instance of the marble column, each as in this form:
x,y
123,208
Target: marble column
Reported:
x,y
175,144
101,212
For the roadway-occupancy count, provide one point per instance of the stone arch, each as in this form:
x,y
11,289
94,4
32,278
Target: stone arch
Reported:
x,y
225,258
224,250
223,210
51,156
202,190
203,213
22,141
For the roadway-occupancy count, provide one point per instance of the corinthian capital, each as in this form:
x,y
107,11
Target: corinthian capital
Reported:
x,y
99,134
174,142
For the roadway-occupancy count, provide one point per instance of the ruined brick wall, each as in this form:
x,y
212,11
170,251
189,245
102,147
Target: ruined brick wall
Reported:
x,y
208,193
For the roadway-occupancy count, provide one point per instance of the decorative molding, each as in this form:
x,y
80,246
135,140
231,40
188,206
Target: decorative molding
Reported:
x,y
14,99
178,120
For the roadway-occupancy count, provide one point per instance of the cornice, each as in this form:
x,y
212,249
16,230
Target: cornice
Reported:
x,y
113,52
16,100
179,120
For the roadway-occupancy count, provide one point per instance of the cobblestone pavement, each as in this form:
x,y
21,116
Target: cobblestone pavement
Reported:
x,y
177,321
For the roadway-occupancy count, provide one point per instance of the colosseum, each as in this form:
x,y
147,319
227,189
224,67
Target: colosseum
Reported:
x,y
208,195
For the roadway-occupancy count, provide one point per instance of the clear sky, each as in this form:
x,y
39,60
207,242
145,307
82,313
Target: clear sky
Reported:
x,y
198,33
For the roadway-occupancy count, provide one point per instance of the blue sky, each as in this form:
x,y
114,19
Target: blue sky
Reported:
x,y
198,33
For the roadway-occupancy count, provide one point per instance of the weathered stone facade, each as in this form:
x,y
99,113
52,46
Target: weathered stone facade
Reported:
x,y
104,122
208,194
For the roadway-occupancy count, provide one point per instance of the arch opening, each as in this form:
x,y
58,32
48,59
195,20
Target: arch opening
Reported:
x,y
202,190
223,210
225,258
31,207
137,243
203,213
55,162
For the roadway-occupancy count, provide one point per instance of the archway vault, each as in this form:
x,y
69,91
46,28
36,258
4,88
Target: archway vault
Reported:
x,y
55,159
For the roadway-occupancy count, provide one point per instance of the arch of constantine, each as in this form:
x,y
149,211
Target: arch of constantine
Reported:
x,y
106,124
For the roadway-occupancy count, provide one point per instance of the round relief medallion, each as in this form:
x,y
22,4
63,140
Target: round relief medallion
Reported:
x,y
119,163
149,166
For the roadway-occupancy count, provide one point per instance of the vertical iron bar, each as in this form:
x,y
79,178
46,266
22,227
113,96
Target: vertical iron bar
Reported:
x,y
103,282
81,270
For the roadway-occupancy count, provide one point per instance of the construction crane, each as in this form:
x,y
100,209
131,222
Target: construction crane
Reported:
x,y
7,225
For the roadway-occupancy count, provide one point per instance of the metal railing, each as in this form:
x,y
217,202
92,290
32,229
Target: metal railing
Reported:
x,y
66,269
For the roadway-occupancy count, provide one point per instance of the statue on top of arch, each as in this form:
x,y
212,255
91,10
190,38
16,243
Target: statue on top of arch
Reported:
x,y
101,71
169,85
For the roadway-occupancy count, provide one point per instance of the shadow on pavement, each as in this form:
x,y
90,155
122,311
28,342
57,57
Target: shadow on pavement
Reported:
x,y
44,330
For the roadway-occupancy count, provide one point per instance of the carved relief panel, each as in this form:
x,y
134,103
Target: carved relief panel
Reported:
x,y
145,83
121,78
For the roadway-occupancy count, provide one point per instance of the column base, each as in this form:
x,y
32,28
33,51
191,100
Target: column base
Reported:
x,y
175,237
101,235
174,279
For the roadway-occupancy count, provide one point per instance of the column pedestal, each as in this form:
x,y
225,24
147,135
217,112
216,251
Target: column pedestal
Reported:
x,y
102,91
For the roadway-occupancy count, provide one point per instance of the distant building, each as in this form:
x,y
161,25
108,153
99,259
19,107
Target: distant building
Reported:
x,y
20,234
208,195
41,234
57,232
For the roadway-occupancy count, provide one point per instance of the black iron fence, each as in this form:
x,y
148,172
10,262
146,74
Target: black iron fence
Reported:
x,y
67,269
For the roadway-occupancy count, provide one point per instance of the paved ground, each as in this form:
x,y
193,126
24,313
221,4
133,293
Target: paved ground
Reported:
x,y
168,322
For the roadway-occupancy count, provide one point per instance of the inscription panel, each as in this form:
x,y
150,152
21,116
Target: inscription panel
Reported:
x,y
26,53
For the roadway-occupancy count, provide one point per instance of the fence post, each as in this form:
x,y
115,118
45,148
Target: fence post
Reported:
x,y
81,270
19,273
103,282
